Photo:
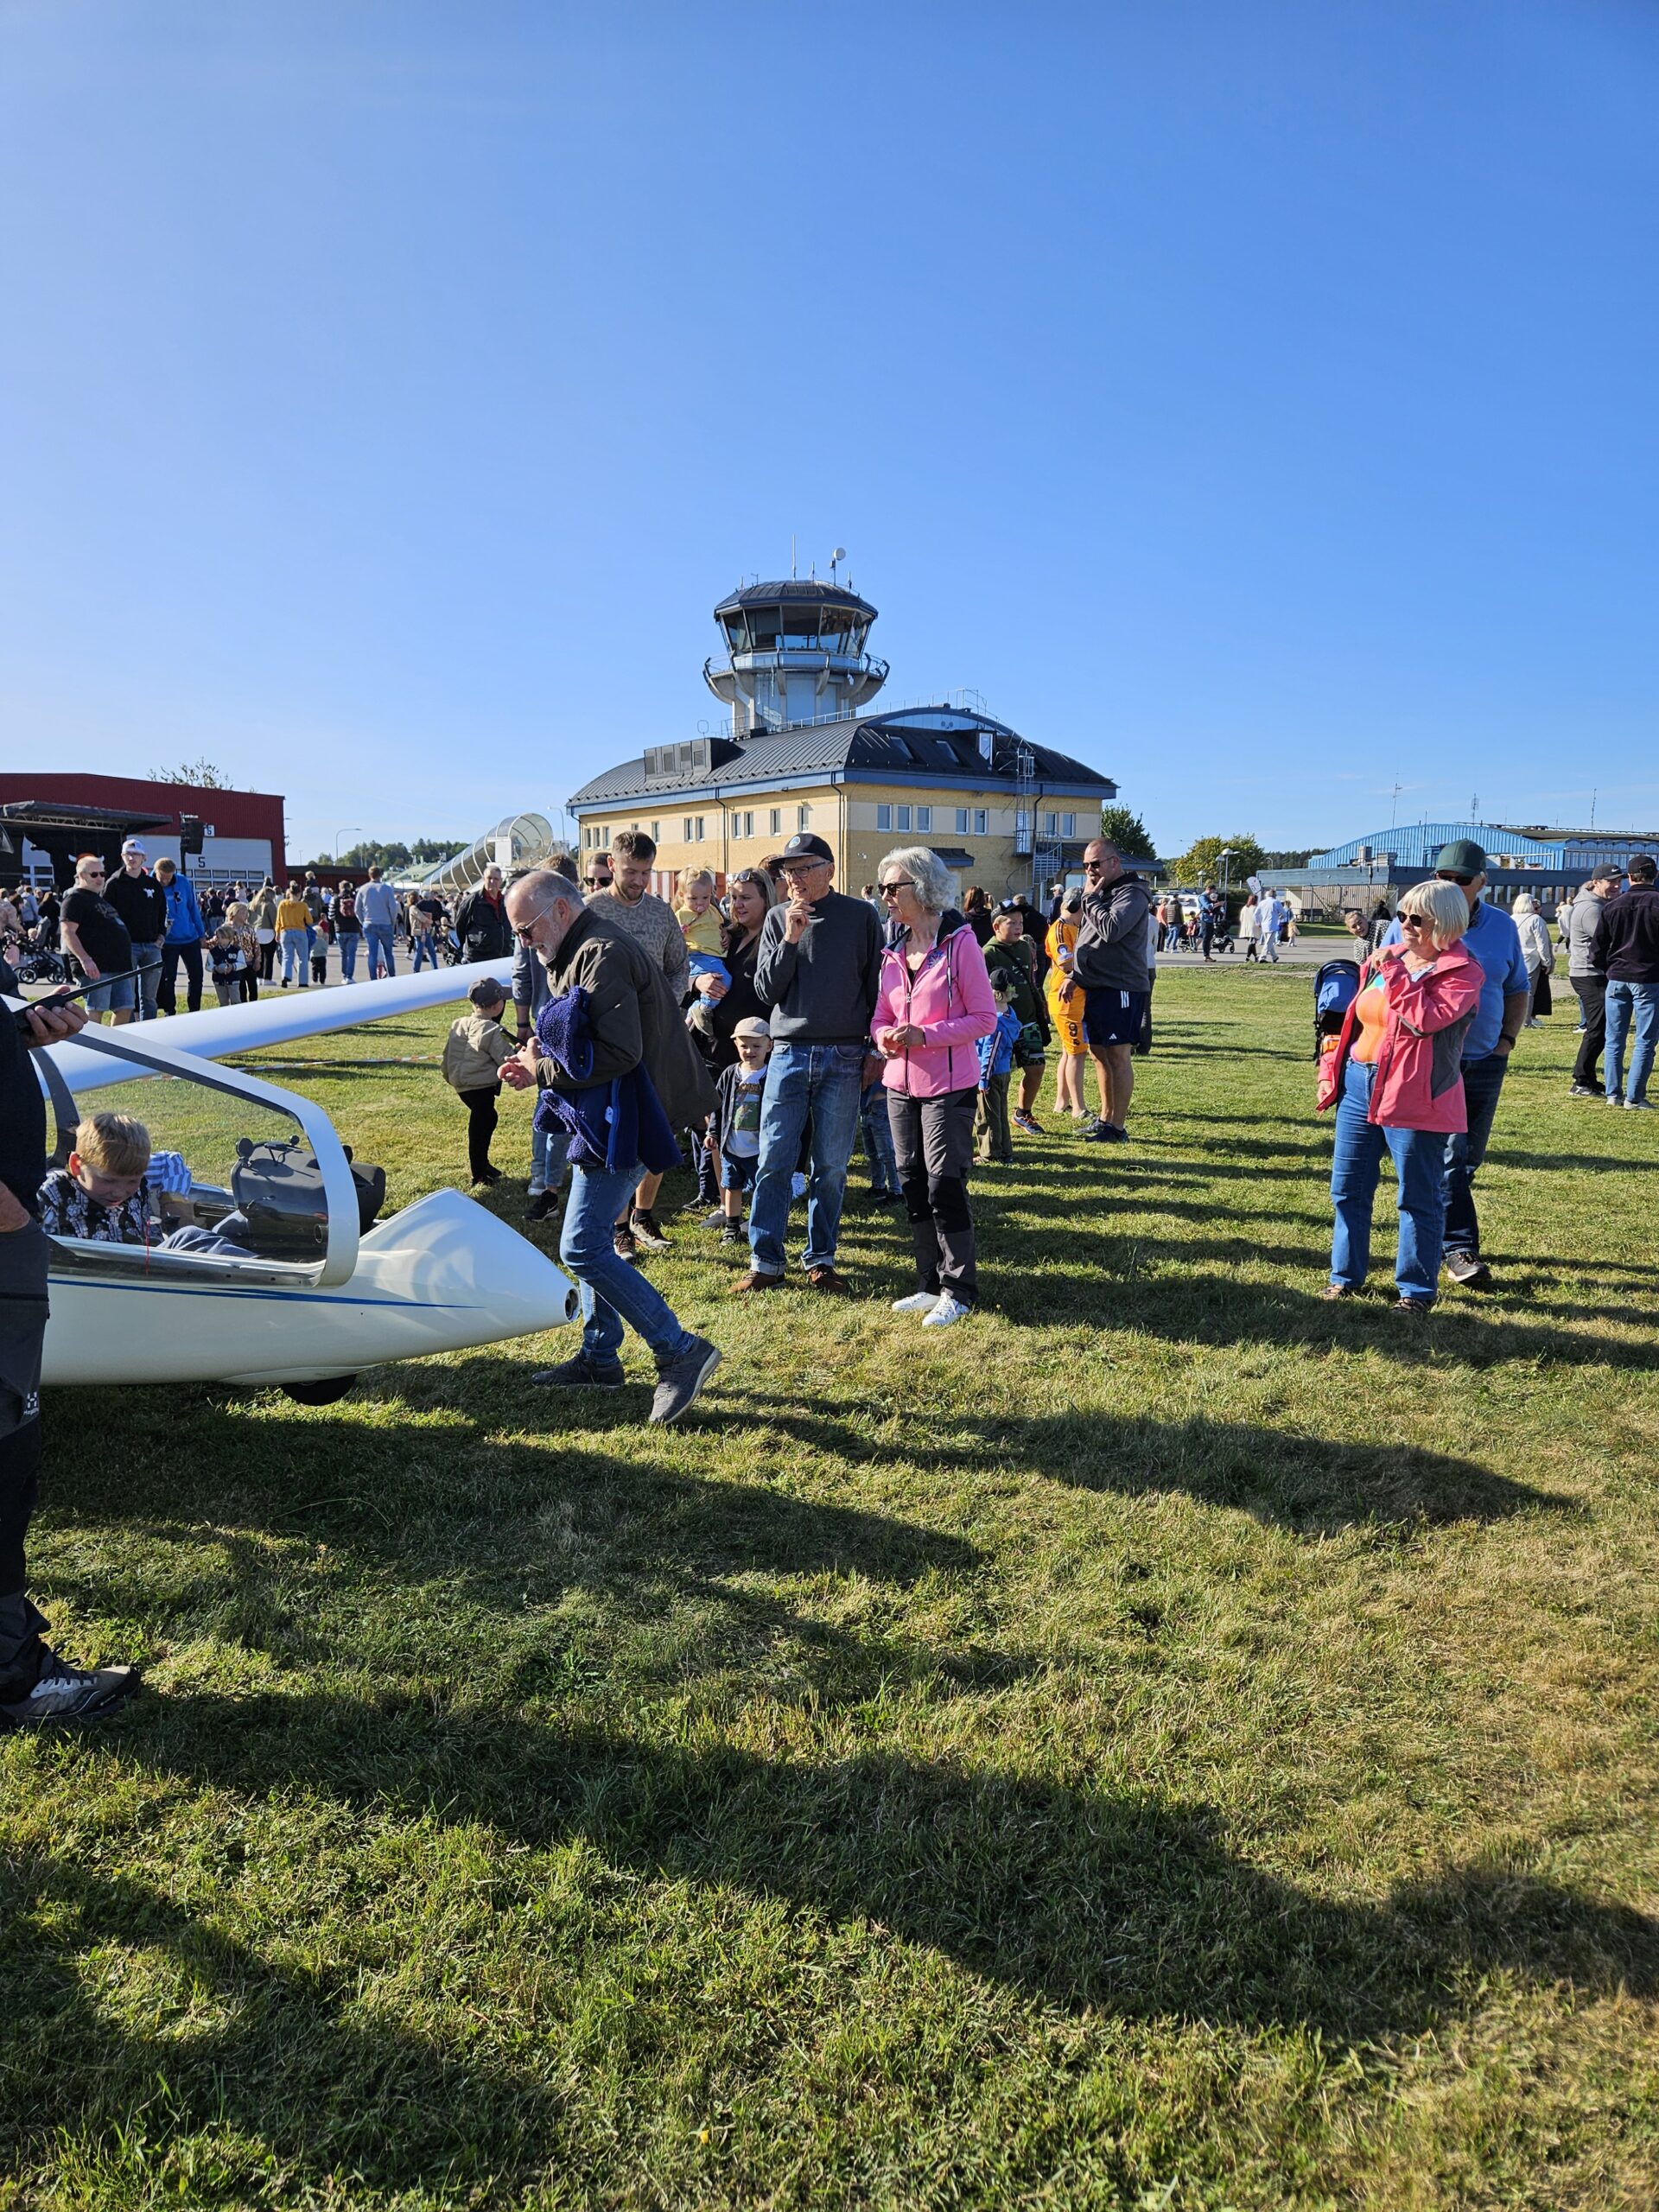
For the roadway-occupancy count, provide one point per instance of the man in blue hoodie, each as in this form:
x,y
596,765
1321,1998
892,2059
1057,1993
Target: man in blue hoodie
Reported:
x,y
186,934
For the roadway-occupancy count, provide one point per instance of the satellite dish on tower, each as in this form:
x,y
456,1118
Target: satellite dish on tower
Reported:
x,y
835,559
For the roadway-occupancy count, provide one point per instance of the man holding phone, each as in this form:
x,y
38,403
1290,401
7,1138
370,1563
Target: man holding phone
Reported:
x,y
35,1684
95,936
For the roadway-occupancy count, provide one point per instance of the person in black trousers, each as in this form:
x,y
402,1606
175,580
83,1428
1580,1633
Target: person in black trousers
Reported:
x,y
35,1684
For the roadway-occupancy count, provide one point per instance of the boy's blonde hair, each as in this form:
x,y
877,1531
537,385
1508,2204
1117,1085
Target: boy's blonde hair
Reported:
x,y
115,1144
691,879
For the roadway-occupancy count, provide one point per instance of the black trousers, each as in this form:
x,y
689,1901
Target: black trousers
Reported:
x,y
268,960
167,990
1592,994
933,1144
23,1254
480,1128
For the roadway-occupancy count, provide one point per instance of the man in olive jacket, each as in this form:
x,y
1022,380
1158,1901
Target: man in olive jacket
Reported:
x,y
635,1025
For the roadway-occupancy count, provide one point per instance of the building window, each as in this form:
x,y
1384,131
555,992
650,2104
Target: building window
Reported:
x,y
803,817
962,822
981,822
1068,825
699,831
1051,825
776,823
883,817
687,829
748,823
903,820
656,833
924,818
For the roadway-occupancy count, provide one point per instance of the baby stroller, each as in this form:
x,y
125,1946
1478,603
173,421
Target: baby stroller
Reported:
x,y
1335,987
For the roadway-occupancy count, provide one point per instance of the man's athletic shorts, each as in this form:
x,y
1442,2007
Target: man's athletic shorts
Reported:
x,y
1113,1017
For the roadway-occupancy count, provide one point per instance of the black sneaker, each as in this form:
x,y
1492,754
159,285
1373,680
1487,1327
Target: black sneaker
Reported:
x,y
1586,1091
1105,1133
679,1380
646,1232
734,1232
70,1694
580,1373
1467,1269
623,1245
543,1204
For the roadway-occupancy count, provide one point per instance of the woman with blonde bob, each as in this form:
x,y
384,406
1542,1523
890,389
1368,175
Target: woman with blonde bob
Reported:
x,y
1395,1079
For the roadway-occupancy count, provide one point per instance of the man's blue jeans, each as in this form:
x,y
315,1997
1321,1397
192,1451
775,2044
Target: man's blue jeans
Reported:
x,y
1482,1081
1418,1156
381,961
423,949
612,1291
147,959
875,1128
348,941
1628,1004
825,1082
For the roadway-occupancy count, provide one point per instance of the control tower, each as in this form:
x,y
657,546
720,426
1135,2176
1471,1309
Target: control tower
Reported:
x,y
794,653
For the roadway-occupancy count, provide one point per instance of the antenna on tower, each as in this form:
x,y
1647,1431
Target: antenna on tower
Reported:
x,y
791,554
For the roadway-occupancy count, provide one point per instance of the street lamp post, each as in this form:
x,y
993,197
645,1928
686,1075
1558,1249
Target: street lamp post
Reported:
x,y
339,833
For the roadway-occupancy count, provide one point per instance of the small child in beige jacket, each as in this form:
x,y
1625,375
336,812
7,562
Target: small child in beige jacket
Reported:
x,y
472,1053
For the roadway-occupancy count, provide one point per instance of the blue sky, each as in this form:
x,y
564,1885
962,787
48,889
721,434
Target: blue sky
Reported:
x,y
1255,399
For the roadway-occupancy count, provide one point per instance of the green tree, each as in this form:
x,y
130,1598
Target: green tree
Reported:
x,y
425,849
1201,861
1127,832
202,773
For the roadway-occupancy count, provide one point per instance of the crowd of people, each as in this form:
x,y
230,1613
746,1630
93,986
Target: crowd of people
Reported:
x,y
128,933
779,1028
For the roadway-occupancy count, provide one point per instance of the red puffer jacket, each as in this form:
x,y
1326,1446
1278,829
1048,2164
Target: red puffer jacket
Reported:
x,y
1418,1083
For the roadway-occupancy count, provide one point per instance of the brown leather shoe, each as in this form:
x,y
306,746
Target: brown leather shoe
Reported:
x,y
755,1281
827,1279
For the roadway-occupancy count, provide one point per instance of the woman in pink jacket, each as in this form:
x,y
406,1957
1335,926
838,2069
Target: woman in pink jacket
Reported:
x,y
934,1001
1395,1079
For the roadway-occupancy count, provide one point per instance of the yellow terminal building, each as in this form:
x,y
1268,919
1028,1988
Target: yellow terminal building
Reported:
x,y
1005,812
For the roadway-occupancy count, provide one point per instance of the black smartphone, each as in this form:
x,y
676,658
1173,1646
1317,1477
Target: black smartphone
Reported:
x,y
53,1000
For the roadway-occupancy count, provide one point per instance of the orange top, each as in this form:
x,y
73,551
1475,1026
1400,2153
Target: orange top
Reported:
x,y
1371,1020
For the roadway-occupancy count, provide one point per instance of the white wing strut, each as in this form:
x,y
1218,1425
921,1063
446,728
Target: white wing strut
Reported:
x,y
277,1017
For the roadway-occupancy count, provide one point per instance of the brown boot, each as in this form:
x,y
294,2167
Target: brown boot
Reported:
x,y
827,1279
755,1281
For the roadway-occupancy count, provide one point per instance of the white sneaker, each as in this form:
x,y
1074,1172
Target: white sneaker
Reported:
x,y
919,1301
948,1310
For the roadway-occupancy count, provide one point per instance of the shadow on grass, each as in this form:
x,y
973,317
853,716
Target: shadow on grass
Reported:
x,y
1129,1906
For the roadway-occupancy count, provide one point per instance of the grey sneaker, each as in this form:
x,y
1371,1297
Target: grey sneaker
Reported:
x,y
680,1380
580,1373
1585,1091
1639,1106
1466,1268
70,1693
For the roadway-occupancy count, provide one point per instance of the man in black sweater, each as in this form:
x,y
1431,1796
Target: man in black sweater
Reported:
x,y
1627,951
818,969
35,1684
138,898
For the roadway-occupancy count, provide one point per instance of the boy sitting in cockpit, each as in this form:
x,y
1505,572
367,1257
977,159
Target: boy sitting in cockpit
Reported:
x,y
99,1196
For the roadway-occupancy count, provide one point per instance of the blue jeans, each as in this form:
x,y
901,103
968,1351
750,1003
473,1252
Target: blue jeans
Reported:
x,y
294,957
875,1128
1482,1081
548,1163
826,1082
1628,1003
381,959
349,943
612,1291
147,959
1419,1160
423,949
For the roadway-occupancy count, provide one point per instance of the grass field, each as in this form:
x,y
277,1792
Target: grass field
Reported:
x,y
1166,1743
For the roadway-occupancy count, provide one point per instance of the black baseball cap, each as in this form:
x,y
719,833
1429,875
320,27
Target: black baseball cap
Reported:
x,y
804,846
1462,857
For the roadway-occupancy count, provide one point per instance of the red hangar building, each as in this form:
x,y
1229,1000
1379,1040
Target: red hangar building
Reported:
x,y
45,822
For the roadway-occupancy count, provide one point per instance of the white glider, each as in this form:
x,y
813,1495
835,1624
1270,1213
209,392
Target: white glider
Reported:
x,y
269,1268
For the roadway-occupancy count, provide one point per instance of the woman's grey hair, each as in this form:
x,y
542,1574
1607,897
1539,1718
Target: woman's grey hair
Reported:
x,y
1525,904
935,885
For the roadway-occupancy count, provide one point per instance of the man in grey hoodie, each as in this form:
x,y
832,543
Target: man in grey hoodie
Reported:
x,y
1589,984
1109,965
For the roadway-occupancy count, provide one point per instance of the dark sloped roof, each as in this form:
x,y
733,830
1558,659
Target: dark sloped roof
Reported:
x,y
796,589
871,742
